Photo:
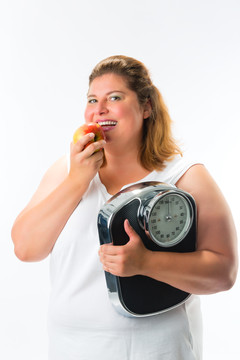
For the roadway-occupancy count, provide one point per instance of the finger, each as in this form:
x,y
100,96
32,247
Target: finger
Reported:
x,y
95,156
109,270
81,143
108,249
109,265
112,269
94,147
109,261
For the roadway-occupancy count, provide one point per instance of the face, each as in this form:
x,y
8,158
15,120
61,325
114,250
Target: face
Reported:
x,y
116,108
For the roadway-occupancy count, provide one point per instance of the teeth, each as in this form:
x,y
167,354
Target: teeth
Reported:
x,y
103,123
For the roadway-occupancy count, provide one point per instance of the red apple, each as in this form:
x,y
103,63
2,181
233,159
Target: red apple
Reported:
x,y
89,128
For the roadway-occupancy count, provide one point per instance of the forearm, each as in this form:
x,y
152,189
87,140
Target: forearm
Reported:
x,y
36,230
200,272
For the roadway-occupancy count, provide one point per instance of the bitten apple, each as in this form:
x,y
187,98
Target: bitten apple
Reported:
x,y
89,128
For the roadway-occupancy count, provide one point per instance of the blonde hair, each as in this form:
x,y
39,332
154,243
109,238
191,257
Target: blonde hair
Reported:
x,y
158,144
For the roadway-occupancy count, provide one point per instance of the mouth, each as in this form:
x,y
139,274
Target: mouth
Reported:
x,y
107,124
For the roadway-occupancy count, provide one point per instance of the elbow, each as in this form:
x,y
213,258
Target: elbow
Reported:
x,y
23,246
232,276
228,279
19,249
227,284
232,271
27,254
21,254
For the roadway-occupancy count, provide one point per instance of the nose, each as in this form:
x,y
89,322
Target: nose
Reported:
x,y
101,108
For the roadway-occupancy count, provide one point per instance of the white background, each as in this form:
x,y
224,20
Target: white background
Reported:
x,y
48,48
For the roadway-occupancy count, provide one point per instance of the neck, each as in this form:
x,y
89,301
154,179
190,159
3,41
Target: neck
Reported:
x,y
121,159
118,153
120,170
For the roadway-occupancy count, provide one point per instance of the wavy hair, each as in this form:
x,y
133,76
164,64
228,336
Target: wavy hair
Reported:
x,y
158,144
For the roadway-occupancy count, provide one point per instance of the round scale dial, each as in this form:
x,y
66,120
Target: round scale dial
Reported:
x,y
169,218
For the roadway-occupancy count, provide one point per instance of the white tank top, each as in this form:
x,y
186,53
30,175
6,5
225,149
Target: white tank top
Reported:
x,y
83,325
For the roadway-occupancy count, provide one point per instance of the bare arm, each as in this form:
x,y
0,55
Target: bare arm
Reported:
x,y
212,268
38,226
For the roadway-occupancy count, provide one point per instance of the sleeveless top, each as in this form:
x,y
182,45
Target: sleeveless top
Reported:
x,y
83,325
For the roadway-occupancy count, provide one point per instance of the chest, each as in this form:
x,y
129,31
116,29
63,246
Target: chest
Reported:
x,y
115,180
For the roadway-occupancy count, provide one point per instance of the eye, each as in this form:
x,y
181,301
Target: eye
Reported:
x,y
114,98
92,101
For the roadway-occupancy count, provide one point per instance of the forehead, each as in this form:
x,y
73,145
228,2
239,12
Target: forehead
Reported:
x,y
108,82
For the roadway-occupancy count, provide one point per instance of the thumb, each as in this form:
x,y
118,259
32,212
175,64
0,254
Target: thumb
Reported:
x,y
129,230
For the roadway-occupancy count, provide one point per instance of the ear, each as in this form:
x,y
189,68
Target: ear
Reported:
x,y
147,109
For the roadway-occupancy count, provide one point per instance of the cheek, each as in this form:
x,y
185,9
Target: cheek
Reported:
x,y
88,114
121,111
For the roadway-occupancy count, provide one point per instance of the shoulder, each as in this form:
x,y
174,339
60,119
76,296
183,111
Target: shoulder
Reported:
x,y
211,204
197,179
56,173
176,168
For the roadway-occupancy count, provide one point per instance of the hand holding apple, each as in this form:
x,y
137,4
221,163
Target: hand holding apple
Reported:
x,y
84,166
89,128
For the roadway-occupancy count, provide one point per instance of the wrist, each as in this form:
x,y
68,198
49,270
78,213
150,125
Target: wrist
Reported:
x,y
146,263
75,187
153,264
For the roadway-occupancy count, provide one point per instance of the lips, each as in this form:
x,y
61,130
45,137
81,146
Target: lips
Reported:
x,y
107,124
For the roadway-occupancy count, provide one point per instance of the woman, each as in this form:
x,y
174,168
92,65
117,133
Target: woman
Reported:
x,y
61,219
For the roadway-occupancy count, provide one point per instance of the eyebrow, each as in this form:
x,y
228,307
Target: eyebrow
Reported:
x,y
108,93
